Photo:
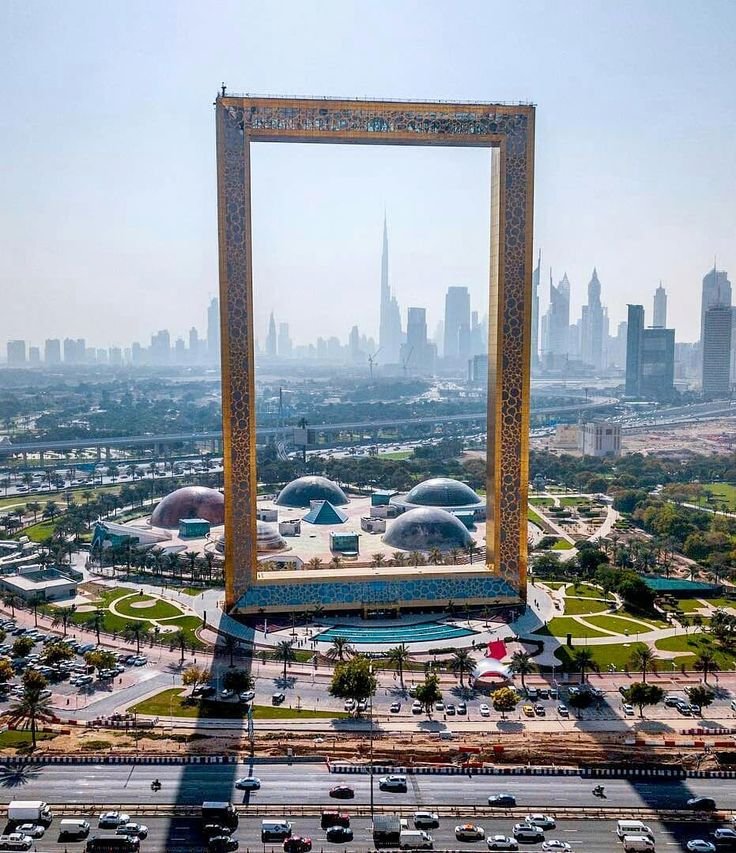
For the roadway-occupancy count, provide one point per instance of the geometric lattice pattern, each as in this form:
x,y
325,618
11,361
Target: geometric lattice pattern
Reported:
x,y
508,132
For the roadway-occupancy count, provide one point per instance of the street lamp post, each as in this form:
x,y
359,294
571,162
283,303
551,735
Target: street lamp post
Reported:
x,y
371,745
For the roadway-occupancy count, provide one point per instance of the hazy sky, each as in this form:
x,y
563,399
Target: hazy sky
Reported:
x,y
108,219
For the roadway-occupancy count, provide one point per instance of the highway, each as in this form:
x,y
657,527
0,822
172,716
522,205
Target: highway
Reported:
x,y
308,784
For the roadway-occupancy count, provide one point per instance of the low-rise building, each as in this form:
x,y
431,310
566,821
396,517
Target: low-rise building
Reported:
x,y
49,584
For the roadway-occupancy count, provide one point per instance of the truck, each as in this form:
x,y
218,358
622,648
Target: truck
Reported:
x,y
29,811
220,813
386,830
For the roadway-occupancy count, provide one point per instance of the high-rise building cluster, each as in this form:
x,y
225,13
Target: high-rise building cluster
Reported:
x,y
159,353
460,341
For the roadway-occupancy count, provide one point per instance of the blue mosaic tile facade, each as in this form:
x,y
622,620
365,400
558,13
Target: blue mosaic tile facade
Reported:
x,y
358,593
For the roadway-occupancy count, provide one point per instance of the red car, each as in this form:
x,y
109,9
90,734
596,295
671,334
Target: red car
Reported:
x,y
343,792
297,844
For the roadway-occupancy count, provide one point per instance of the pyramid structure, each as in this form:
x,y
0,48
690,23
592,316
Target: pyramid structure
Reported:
x,y
323,512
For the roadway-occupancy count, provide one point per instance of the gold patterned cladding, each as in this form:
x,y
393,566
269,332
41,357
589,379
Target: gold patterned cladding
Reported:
x,y
509,132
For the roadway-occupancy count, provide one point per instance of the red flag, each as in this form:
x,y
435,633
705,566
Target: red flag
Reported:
x,y
496,649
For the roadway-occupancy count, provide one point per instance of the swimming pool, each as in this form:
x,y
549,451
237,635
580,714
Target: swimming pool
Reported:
x,y
420,632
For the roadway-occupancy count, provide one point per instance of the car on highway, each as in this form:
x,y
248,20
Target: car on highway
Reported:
x,y
543,821
724,835
134,830
562,710
502,842
15,841
109,820
339,834
394,782
502,800
628,709
426,820
213,830
469,832
248,783
395,707
297,844
528,710
701,804
342,792
554,845
700,845
35,830
527,832
222,844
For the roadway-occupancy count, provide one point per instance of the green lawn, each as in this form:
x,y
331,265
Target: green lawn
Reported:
x,y
562,545
721,602
158,608
723,491
39,532
582,606
534,518
574,502
15,738
398,455
615,623
695,643
172,701
618,654
587,590
542,501
689,605
554,584
560,627
643,617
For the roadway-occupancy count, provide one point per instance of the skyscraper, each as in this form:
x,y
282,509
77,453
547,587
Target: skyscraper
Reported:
x,y
271,340
284,341
657,380
52,351
557,318
593,325
660,307
160,349
535,312
389,330
717,351
213,331
634,335
716,291
417,354
194,345
457,324
16,353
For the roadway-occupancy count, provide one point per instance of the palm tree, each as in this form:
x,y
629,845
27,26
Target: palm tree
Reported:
x,y
229,646
336,562
470,549
135,632
179,639
583,660
35,508
96,622
398,558
12,600
340,650
31,707
63,616
435,557
377,561
521,662
705,662
285,652
399,656
416,559
315,563
644,659
462,663
34,602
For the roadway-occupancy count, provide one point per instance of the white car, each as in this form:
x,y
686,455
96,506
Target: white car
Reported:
x,y
554,845
35,830
417,707
248,783
700,845
439,706
136,830
469,832
502,842
527,832
350,705
109,820
628,709
247,695
485,711
543,821
15,841
426,820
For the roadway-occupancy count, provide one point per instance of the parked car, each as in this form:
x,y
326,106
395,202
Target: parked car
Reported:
x,y
484,710
628,709
462,708
278,698
562,710
395,707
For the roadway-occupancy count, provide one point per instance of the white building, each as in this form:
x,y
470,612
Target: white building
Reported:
x,y
600,438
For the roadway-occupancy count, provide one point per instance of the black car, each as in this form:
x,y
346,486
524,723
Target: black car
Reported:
x,y
502,800
213,830
342,792
222,844
339,834
702,804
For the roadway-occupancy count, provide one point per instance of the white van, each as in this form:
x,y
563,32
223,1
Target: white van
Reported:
x,y
415,839
275,830
73,828
638,843
633,827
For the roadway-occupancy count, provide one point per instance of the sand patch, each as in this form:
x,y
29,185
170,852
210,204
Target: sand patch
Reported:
x,y
140,605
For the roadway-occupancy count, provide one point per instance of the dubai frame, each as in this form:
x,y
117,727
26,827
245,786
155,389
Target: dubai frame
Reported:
x,y
508,132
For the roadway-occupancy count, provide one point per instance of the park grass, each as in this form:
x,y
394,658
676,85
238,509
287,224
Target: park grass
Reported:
x,y
560,627
554,584
587,590
616,654
158,608
694,644
643,617
617,624
574,502
39,532
174,701
397,455
21,738
583,606
562,545
542,501
721,602
534,518
723,491
690,605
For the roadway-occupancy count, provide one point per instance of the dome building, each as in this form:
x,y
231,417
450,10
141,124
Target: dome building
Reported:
x,y
442,493
427,529
299,493
268,538
189,502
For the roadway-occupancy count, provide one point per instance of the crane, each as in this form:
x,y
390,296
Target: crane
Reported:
x,y
372,361
405,362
